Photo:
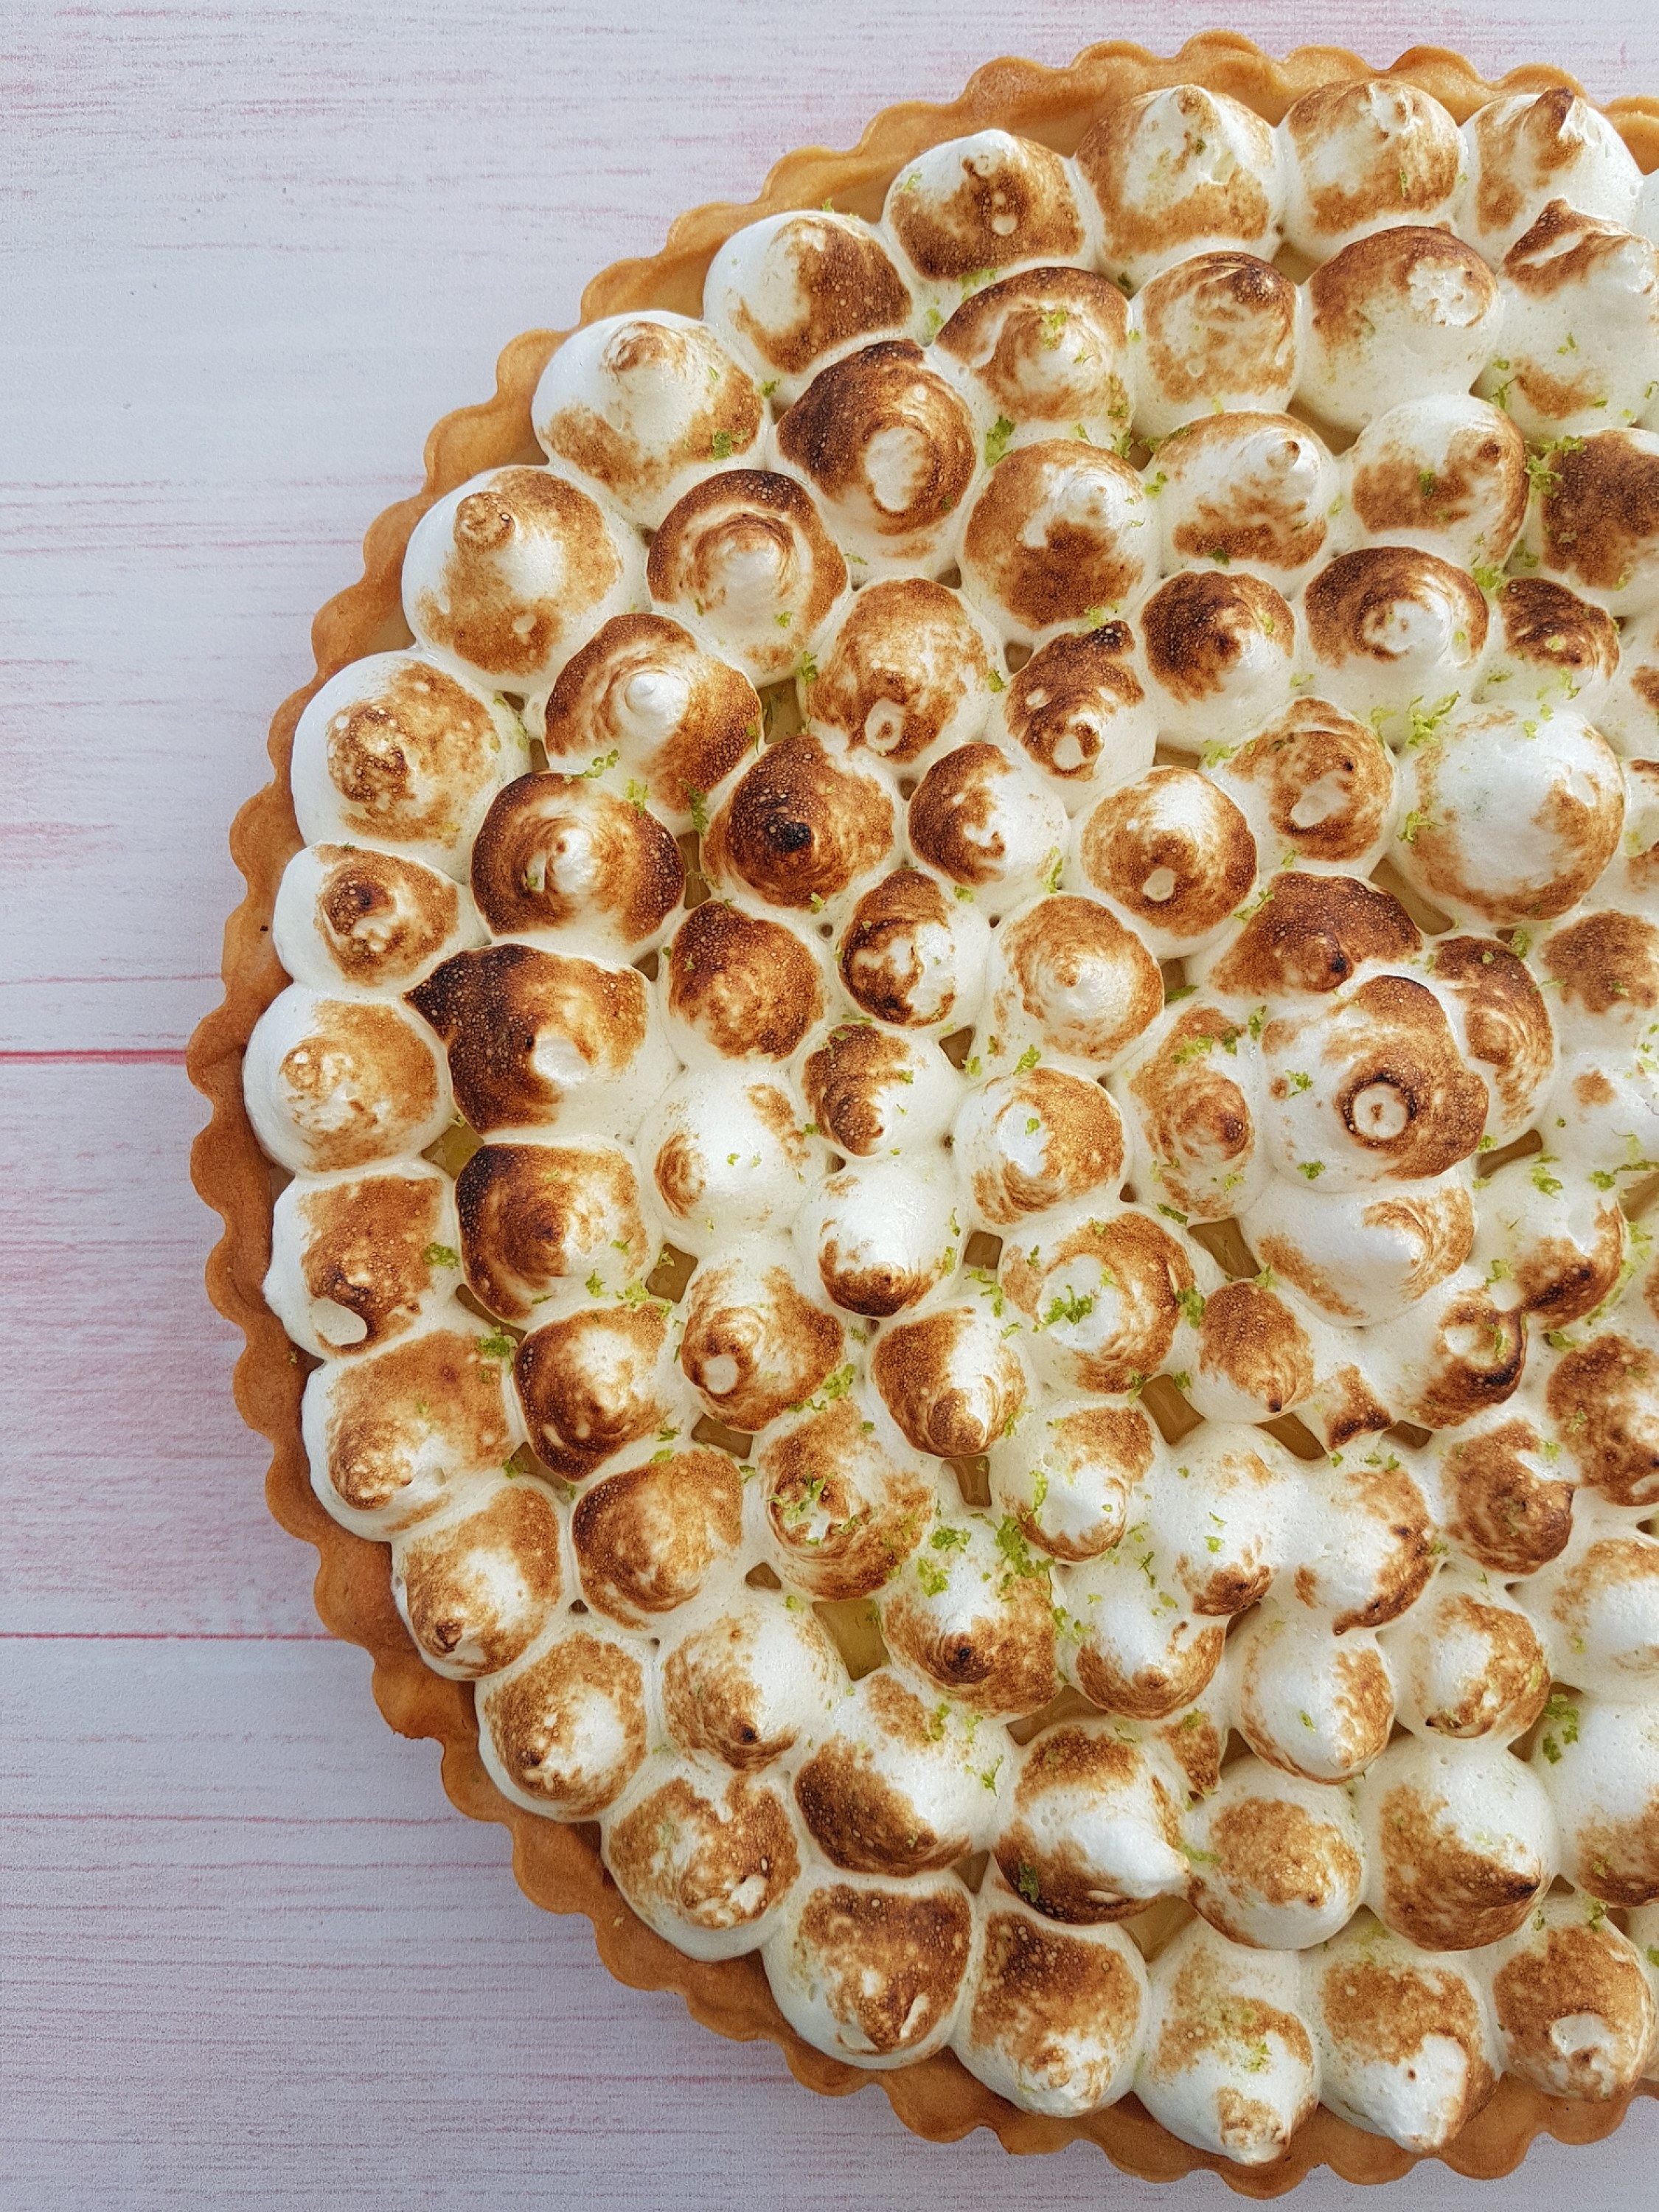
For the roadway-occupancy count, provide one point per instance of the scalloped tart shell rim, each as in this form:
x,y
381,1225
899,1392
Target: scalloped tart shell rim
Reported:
x,y
558,1867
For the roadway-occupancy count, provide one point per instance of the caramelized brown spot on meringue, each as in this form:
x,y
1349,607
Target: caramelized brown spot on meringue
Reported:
x,y
1207,2017
588,1384
1350,1406
1385,2015
1391,490
748,985
533,1215
1504,1015
799,827
646,1539
766,1346
1558,253
1058,707
407,760
949,1382
476,1591
494,1008
1536,137
1600,512
1084,1762
1194,1117
1311,935
1382,266
1349,605
844,1513
1439,1891
647,362
1567,1975
1040,1992
1604,1400
586,1691
843,1081
1607,960
1234,207
850,288
382,918
1324,780
1089,983
1048,554
1195,626
1171,848
1273,1849
1254,1340
713,1700
1255,516
1045,343
365,1248
1560,1279
989,1644
626,869
884,392
1222,322
1406,171
358,1084
1191,1655
383,1410
1478,1355
1610,1563
889,1962
901,665
1620,1859
882,961
1082,1145
1552,630
1512,1685
1147,1271
953,814
645,674
861,1819
719,1862
483,615
1022,209
717,540
1509,1518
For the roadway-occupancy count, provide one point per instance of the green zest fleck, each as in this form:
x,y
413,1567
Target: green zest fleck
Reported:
x,y
1191,1300
1027,1060
934,1580
720,446
1312,1169
996,441
1026,1882
498,1344
1072,1307
441,1256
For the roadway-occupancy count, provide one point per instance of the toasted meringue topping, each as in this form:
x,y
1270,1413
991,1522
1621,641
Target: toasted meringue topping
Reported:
x,y
1605,1785
1257,491
1310,935
747,554
1141,1653
1037,1139
888,448
1462,1839
841,1512
1575,2012
537,1217
346,914
1606,968
642,406
1308,1703
1571,273
1447,475
870,1091
1060,532
1255,1358
396,751
1276,1861
1450,1355
1395,634
1069,972
647,1540
563,1730
1217,646
745,1685
1218,334
1054,2019
1504,1021
727,1156
1556,648
509,573
986,823
1174,853
596,1382
1175,172
705,1865
1314,784
1106,1293
1229,2064
794,290
392,1437
872,1972
951,1381
967,1618
476,1590
882,1234
1595,524
754,1345
335,1083
1363,155
913,956
1194,1094
1529,148
1359,1256
1470,1664
1072,1503
970,207
1600,1606
909,673
1510,1508
642,698
358,1259
1601,1400
1092,1829
560,856
537,1037
1401,307
801,826
740,987
1080,712
894,1789
1046,352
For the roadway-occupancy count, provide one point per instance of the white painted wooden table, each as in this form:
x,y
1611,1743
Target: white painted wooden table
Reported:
x,y
248,252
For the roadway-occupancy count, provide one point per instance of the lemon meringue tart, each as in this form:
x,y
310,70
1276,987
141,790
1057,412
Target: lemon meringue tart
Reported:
x,y
952,994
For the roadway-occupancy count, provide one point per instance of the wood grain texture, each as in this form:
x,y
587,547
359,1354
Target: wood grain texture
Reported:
x,y
248,255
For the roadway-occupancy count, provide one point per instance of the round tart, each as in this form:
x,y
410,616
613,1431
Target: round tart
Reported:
x,y
952,995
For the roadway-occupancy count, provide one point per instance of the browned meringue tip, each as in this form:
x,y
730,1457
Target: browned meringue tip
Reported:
x,y
1157,227
1045,346
1081,1136
1563,1976
476,1591
1560,250
1598,513
1194,1116
800,826
413,757
592,1384
848,287
1148,1270
382,918
882,962
384,1411
365,1248
852,1794
492,1008
1604,1398
1009,201
569,1727
1311,934
1605,962
1250,1338
1173,850
1058,534
1347,603
843,1081
356,1085
1481,472
1221,322
749,987
753,1345
1381,266
949,1380
1060,706
884,393
533,1216
1555,633
1407,167
622,870
644,681
740,550
1323,782
647,1539
1504,1018
1196,626
1075,1762
1089,984
1247,487
841,1514
906,665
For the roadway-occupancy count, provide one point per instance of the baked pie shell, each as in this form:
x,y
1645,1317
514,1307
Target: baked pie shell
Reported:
x,y
558,1867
